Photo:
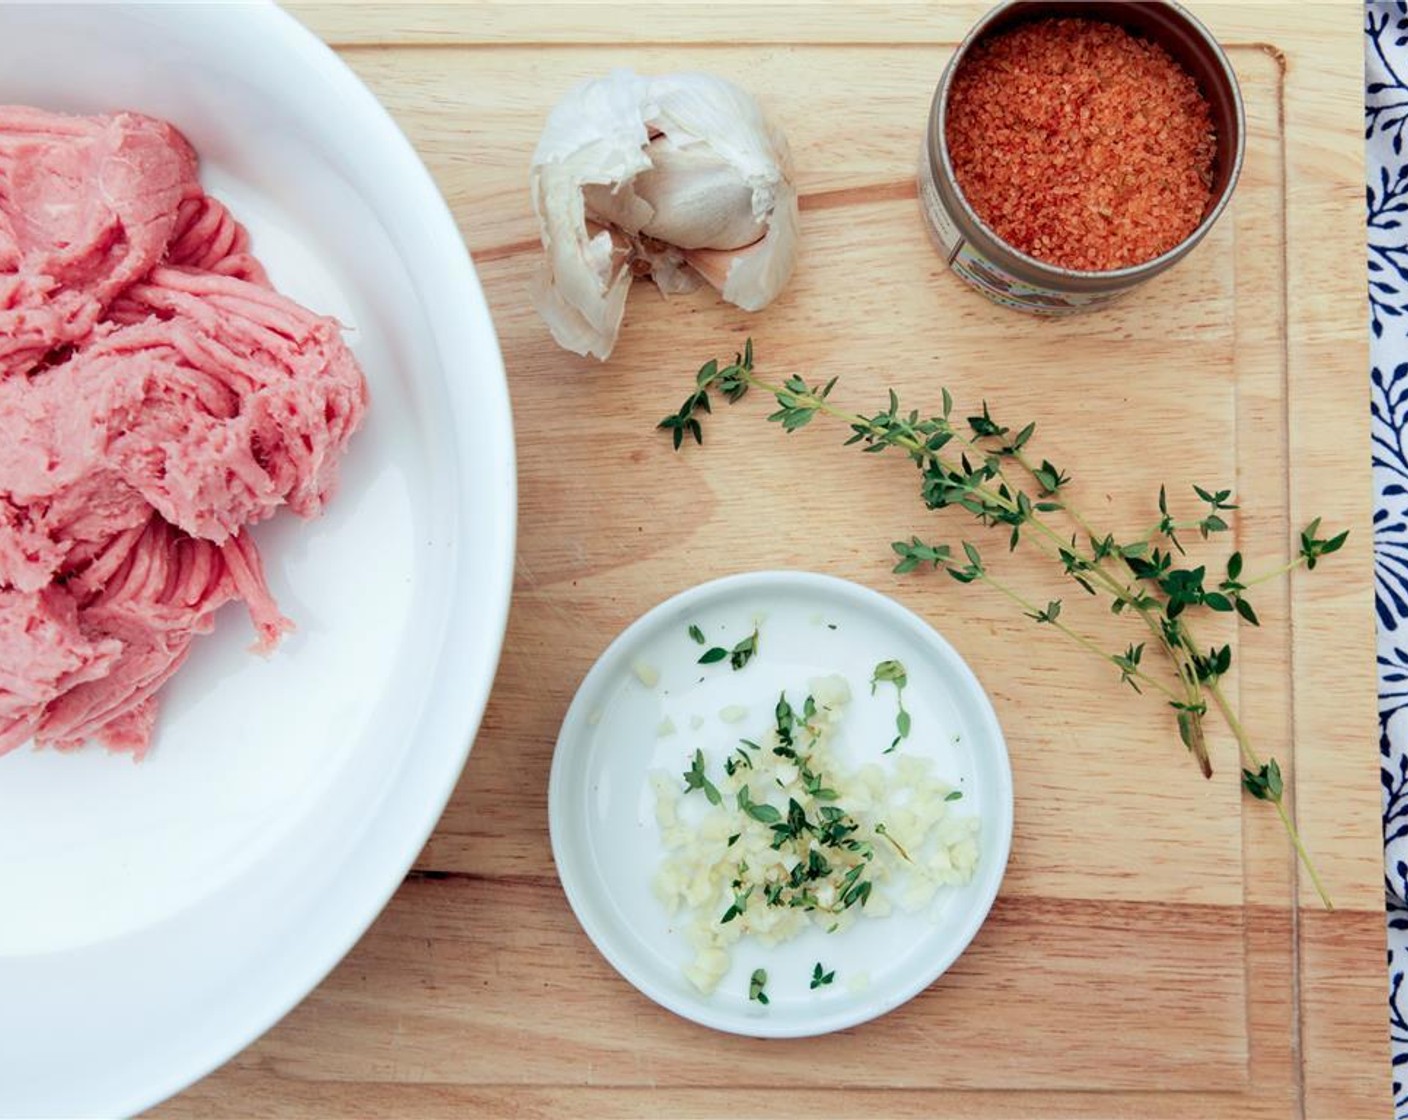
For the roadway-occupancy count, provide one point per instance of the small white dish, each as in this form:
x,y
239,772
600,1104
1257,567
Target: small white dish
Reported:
x,y
601,805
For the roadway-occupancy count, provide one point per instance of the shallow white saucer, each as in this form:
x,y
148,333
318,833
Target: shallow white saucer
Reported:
x,y
601,804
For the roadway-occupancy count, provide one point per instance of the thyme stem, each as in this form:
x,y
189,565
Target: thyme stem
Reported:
x,y
1254,762
1082,640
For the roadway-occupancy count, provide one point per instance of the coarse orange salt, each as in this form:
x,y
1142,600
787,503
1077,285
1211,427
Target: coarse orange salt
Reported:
x,y
1081,144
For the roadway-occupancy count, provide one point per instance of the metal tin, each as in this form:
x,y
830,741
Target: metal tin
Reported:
x,y
1016,279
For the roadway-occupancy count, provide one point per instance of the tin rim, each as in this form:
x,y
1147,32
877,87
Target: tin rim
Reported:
x,y
942,168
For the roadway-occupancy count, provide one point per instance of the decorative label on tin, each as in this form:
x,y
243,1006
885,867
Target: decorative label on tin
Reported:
x,y
941,226
1002,287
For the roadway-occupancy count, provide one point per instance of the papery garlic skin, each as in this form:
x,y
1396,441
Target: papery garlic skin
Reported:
x,y
690,197
679,175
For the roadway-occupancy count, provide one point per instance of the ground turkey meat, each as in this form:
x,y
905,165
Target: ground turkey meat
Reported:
x,y
157,396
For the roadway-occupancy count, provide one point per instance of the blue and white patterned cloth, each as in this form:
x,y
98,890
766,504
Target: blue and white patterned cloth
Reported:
x,y
1385,120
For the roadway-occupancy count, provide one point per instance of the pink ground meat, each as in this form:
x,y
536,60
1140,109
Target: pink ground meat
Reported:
x,y
156,396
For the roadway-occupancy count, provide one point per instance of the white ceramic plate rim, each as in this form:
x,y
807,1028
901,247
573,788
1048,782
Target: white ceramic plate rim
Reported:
x,y
463,306
616,661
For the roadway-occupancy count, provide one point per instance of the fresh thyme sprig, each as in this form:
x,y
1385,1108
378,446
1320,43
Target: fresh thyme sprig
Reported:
x,y
983,468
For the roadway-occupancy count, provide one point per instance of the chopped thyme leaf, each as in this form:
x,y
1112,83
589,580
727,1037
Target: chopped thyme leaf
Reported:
x,y
743,652
694,778
756,985
895,673
786,721
738,656
857,894
892,671
764,812
740,903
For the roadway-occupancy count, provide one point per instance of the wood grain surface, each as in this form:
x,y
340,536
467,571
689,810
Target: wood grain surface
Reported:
x,y
1154,951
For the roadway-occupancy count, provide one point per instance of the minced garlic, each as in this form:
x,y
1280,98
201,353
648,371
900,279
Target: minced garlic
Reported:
x,y
786,838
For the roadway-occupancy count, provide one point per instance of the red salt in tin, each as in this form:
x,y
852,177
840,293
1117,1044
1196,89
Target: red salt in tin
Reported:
x,y
1015,278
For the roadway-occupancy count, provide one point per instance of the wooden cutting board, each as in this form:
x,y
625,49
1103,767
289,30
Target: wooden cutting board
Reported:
x,y
1154,951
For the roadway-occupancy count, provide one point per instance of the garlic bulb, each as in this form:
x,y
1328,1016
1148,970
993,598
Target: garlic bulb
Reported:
x,y
678,177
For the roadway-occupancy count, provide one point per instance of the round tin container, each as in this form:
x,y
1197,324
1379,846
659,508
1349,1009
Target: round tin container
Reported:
x,y
1016,279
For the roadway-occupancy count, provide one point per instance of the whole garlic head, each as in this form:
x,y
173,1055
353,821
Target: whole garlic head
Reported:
x,y
679,176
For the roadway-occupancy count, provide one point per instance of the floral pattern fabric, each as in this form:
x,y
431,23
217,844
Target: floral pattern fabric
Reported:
x,y
1386,195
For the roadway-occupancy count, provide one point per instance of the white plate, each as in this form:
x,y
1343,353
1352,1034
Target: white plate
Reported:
x,y
155,918
601,805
